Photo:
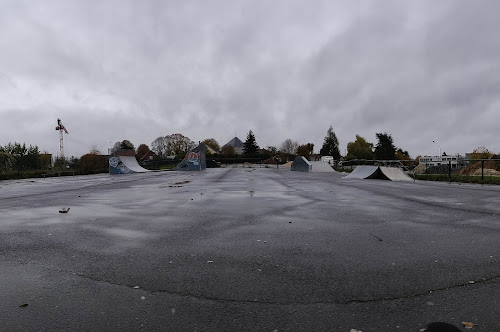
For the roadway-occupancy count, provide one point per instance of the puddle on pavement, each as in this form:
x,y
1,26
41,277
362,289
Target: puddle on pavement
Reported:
x,y
123,233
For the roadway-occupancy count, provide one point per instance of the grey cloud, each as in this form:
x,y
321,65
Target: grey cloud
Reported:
x,y
138,70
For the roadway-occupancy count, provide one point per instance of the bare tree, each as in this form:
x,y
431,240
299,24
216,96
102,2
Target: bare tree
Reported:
x,y
272,149
95,151
289,146
159,146
116,147
178,144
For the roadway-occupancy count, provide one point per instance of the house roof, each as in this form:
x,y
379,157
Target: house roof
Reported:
x,y
235,142
149,153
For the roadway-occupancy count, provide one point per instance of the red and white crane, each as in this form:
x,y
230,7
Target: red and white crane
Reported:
x,y
61,129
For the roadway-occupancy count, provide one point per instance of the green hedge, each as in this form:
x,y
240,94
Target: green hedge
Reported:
x,y
459,178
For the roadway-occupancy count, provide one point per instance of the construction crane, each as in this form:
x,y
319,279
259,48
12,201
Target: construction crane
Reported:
x,y
61,129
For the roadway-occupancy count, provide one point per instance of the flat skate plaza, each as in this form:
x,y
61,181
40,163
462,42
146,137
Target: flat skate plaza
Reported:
x,y
247,249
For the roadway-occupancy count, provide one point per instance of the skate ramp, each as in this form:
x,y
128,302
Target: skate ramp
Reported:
x,y
195,160
321,167
125,165
378,172
363,172
395,174
301,164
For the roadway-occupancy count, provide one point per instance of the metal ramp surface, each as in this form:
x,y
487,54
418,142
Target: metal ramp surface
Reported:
x,y
395,173
378,172
363,172
125,165
321,167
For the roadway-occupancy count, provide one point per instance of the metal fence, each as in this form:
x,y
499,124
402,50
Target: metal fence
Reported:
x,y
459,170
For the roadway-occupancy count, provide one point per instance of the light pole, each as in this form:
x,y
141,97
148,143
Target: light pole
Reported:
x,y
439,149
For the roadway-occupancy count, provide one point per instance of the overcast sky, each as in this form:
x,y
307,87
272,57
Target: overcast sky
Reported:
x,y
137,70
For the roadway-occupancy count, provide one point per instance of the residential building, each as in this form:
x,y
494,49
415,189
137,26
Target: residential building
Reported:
x,y
431,161
150,155
237,144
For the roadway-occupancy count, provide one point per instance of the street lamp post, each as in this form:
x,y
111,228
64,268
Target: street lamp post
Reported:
x,y
440,158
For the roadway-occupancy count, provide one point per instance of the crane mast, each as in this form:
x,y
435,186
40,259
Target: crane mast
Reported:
x,y
62,130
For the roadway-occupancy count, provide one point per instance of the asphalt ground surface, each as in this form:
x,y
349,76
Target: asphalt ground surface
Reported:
x,y
247,249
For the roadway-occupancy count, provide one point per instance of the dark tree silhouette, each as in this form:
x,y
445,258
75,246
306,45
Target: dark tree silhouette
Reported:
x,y
385,149
330,145
250,145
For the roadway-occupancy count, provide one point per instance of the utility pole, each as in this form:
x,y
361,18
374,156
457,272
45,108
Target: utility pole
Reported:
x,y
440,157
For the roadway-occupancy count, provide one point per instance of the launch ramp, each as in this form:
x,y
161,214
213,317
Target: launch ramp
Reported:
x,y
378,172
363,172
394,173
321,167
195,160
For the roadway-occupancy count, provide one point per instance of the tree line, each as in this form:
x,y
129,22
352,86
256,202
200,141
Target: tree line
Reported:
x,y
177,145
18,157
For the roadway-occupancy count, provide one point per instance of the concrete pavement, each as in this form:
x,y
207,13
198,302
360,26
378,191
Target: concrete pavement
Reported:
x,y
247,249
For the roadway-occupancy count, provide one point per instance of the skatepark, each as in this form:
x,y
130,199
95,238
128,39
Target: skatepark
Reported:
x,y
247,249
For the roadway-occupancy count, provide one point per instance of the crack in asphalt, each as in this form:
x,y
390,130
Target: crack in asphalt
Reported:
x,y
467,284
219,178
282,303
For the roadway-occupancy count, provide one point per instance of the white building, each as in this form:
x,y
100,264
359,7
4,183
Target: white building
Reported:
x,y
431,161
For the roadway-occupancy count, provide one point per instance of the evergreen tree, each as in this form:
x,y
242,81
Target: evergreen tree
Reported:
x,y
127,145
250,146
385,149
330,145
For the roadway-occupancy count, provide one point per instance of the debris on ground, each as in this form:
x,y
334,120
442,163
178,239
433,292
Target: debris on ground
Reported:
x,y
178,184
64,210
24,305
468,325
